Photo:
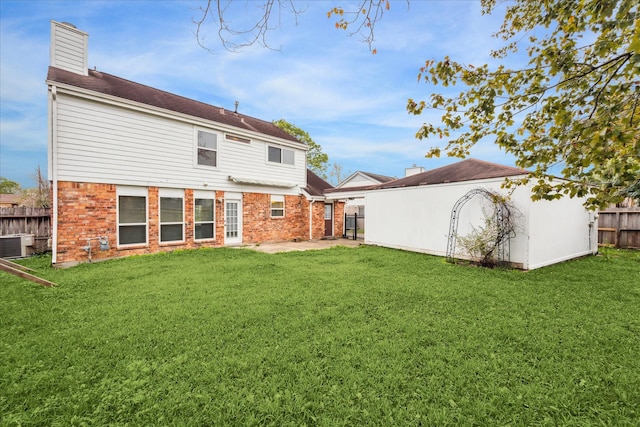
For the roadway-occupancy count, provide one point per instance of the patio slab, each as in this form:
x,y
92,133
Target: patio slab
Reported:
x,y
305,245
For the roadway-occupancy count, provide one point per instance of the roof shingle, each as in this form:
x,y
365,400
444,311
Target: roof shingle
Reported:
x,y
466,170
108,84
316,186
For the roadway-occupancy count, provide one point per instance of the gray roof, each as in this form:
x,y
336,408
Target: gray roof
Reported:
x,y
316,186
377,177
466,170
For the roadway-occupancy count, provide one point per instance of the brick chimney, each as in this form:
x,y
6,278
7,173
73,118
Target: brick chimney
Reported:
x,y
69,48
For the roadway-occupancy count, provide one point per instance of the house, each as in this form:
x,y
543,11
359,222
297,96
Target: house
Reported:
x,y
10,200
427,211
137,170
352,190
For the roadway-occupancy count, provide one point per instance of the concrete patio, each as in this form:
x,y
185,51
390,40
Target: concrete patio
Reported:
x,y
306,245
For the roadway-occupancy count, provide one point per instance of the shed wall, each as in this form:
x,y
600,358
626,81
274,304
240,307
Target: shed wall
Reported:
x,y
418,218
560,230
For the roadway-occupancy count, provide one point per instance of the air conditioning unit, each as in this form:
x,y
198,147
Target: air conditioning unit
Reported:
x,y
16,245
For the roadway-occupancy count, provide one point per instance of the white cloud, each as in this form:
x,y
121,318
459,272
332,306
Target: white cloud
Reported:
x,y
352,102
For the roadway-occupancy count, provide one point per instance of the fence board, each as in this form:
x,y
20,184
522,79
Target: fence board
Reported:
x,y
23,220
619,227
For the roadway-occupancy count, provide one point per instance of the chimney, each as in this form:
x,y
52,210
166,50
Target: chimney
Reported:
x,y
414,170
69,48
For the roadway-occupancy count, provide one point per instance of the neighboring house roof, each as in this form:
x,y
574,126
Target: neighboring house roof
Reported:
x,y
351,189
9,200
378,177
108,84
466,170
316,186
373,178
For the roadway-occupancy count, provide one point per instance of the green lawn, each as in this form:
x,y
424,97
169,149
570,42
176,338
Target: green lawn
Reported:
x,y
340,337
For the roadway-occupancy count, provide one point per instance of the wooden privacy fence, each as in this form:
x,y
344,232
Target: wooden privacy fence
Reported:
x,y
619,227
22,220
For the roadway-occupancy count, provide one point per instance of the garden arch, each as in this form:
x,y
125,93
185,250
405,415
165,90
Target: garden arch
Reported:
x,y
502,218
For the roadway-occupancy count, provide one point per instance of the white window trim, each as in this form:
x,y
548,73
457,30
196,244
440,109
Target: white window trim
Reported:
x,y
170,193
238,139
199,194
219,137
132,192
275,198
281,162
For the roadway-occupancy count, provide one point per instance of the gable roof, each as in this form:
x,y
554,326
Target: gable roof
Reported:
x,y
466,170
375,178
378,177
316,186
108,84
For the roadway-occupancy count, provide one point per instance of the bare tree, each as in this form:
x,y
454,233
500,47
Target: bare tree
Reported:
x,y
40,196
360,18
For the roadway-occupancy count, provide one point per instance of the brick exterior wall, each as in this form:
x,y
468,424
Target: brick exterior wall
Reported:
x,y
88,211
318,220
258,225
84,211
338,221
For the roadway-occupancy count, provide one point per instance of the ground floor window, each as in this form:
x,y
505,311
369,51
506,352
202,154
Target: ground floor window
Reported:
x,y
132,215
204,214
277,206
171,215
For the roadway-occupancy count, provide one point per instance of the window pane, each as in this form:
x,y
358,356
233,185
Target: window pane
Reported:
x,y
132,209
274,154
287,157
204,231
170,209
277,212
207,157
207,140
327,211
131,234
171,233
204,210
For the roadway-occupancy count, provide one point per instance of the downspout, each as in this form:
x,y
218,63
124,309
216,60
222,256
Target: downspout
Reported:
x,y
311,219
53,146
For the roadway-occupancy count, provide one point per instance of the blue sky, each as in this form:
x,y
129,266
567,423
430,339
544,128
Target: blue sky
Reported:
x,y
351,102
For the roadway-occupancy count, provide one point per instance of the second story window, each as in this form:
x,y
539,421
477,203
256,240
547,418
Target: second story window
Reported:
x,y
280,155
207,148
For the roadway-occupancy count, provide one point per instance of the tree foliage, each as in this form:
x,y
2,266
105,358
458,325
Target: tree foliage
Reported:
x,y
8,187
316,160
576,105
573,109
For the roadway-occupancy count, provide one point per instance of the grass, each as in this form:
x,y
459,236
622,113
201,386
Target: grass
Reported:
x,y
339,337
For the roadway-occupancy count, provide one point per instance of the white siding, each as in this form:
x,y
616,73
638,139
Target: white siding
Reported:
x,y
418,218
560,230
104,143
358,180
69,48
